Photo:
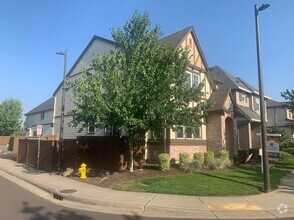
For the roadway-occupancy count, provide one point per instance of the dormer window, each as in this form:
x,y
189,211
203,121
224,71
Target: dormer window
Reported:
x,y
256,104
242,97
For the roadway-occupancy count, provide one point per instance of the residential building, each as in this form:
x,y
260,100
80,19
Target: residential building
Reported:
x,y
40,115
96,46
280,116
245,107
198,71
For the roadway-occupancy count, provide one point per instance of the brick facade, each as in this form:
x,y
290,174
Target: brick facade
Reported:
x,y
176,150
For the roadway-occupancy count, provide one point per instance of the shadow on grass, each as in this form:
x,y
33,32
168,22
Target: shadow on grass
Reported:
x,y
238,178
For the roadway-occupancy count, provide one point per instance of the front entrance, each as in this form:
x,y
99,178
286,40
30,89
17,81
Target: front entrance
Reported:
x,y
229,135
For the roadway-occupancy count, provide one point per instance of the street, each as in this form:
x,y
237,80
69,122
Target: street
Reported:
x,y
18,204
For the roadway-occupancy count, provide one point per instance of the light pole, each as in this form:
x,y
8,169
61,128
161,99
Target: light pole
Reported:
x,y
266,174
61,140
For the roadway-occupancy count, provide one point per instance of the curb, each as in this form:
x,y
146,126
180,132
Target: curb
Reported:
x,y
122,208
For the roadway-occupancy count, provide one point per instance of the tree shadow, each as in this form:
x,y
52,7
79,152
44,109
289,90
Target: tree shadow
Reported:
x,y
39,213
8,156
234,180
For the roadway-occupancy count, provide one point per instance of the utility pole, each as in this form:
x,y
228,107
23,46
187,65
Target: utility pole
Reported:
x,y
61,140
265,163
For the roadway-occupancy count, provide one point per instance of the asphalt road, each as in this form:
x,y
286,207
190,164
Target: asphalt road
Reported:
x,y
16,203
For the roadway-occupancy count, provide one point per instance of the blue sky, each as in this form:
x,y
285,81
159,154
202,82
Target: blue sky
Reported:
x,y
32,31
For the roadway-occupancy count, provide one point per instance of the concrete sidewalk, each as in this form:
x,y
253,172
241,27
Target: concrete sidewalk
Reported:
x,y
277,204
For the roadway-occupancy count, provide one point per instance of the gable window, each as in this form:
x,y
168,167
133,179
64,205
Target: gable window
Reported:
x,y
196,80
242,97
188,80
192,79
42,115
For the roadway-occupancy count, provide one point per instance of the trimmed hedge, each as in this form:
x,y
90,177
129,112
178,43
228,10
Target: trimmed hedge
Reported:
x,y
163,162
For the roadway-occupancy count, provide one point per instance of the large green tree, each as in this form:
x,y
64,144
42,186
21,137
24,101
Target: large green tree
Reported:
x,y
140,86
289,96
10,116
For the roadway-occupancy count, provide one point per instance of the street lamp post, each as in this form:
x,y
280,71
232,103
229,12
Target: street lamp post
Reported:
x,y
61,140
262,106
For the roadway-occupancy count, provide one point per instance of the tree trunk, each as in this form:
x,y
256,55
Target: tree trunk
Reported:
x,y
131,160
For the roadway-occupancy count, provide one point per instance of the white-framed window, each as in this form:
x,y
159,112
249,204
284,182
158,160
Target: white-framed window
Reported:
x,y
192,79
180,133
256,103
242,97
187,133
91,129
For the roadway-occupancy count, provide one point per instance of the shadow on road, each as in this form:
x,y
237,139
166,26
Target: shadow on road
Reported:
x,y
39,212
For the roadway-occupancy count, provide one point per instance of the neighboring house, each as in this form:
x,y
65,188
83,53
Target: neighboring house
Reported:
x,y
280,116
198,71
40,115
96,46
245,107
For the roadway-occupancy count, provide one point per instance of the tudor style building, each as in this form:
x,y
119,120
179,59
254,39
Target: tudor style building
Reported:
x,y
198,71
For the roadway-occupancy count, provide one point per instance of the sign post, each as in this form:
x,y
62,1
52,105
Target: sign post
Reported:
x,y
39,133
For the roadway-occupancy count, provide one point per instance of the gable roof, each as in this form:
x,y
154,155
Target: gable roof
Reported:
x,y
45,106
229,81
218,98
175,40
272,103
248,113
94,38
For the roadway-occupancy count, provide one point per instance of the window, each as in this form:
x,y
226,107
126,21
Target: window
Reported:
x,y
180,133
196,80
42,115
290,114
192,79
91,129
187,133
256,104
188,81
198,133
242,97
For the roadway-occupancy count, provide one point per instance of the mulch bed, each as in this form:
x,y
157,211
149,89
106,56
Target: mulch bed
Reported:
x,y
115,178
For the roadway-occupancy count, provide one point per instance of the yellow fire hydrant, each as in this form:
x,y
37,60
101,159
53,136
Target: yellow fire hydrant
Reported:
x,y
83,171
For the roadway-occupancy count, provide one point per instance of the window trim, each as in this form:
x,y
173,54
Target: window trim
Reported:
x,y
194,137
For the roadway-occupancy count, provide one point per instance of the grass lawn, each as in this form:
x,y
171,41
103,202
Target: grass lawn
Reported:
x,y
285,163
229,182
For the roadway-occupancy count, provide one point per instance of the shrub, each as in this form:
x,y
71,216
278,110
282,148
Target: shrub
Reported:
x,y
220,163
164,161
285,155
224,154
193,167
199,156
208,157
184,158
242,155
